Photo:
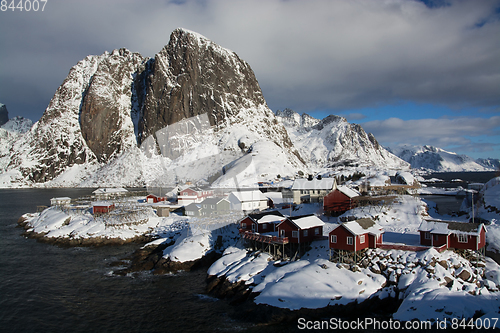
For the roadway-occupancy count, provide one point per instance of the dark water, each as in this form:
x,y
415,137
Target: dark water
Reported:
x,y
45,288
465,177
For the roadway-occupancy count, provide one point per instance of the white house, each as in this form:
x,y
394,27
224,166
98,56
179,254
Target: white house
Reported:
x,y
108,193
312,190
62,201
247,201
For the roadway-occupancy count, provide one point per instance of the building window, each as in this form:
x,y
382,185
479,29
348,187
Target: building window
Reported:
x,y
361,239
334,238
305,233
316,231
462,238
295,234
349,240
427,235
436,238
264,226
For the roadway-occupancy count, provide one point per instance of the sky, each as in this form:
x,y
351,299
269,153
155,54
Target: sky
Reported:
x,y
408,71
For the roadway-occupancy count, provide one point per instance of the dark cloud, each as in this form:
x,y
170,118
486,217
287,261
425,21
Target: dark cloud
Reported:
x,y
307,55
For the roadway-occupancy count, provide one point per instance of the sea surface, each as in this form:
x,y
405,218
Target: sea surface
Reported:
x,y
46,288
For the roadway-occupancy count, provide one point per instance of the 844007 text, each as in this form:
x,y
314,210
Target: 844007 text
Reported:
x,y
23,5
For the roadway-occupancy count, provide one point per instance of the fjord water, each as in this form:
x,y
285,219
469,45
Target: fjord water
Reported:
x,y
46,288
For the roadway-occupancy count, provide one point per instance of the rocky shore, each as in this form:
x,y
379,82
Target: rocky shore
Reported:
x,y
73,242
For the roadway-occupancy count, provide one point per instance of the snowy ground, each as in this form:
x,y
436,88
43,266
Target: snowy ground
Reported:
x,y
428,283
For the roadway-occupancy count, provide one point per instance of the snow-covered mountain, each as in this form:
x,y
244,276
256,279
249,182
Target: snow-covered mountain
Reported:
x,y
11,130
437,159
190,112
333,141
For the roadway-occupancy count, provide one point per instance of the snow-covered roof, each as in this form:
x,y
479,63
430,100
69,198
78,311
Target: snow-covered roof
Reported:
x,y
450,227
306,221
61,199
192,206
314,184
102,204
212,201
244,196
267,217
363,226
348,191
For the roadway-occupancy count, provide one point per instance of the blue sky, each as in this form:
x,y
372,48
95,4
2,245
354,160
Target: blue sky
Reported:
x,y
411,72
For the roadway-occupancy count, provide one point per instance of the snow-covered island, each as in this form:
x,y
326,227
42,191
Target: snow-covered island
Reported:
x,y
424,283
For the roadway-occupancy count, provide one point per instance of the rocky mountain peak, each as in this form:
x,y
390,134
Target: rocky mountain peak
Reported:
x,y
191,76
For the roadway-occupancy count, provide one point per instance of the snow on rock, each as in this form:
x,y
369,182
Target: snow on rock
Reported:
x,y
188,248
317,284
333,141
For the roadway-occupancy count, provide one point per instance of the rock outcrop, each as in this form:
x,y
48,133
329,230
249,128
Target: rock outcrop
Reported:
x,y
4,114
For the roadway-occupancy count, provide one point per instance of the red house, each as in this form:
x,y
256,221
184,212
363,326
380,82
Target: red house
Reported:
x,y
190,195
356,235
340,200
151,198
102,207
301,229
261,223
456,235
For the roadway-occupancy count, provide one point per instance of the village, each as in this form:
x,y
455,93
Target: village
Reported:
x,y
270,222
307,242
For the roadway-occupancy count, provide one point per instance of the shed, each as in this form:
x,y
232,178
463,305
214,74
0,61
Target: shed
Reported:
x,y
452,234
301,229
102,207
152,198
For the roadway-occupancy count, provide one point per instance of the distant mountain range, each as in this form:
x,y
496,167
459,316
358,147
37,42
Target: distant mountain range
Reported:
x,y
437,159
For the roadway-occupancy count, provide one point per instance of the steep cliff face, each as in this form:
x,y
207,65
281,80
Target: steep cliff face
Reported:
x,y
193,76
333,141
106,108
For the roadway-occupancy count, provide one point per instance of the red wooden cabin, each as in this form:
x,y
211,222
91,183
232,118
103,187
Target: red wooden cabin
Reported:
x,y
301,229
102,207
356,235
261,223
340,200
151,198
456,235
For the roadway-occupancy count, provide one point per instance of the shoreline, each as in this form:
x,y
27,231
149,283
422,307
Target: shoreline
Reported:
x,y
75,242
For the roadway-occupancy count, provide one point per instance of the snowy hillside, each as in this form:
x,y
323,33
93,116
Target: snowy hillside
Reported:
x,y
436,159
121,119
10,132
333,141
